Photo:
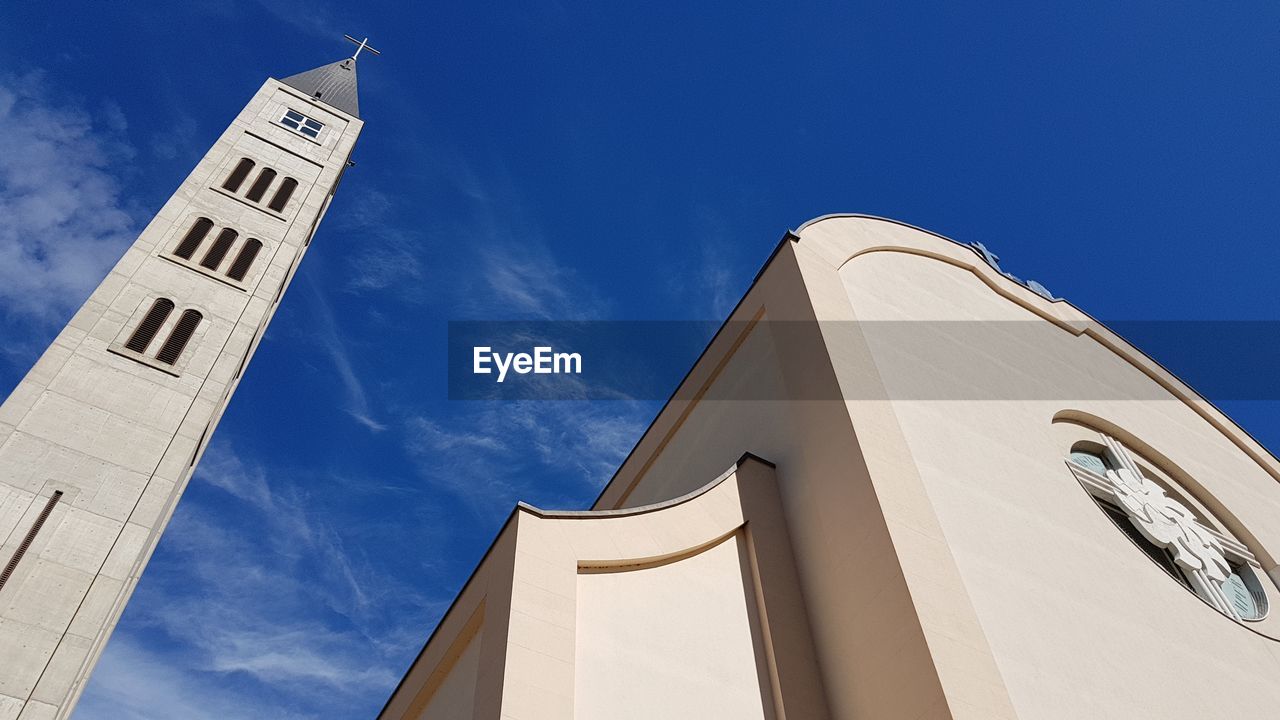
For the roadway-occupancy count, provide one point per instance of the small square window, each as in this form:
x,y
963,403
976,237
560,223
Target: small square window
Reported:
x,y
298,122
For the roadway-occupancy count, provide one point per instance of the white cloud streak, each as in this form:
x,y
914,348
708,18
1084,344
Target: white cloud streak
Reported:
x,y
260,611
486,450
388,257
134,682
329,338
719,280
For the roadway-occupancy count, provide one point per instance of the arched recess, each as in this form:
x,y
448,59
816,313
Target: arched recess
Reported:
x,y
532,580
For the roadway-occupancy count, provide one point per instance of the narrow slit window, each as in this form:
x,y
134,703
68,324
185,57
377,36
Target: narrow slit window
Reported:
x,y
191,241
260,185
240,266
150,325
238,175
178,339
30,537
282,195
218,251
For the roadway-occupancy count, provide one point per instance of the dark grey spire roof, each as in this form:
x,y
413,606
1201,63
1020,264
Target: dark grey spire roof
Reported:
x,y
333,84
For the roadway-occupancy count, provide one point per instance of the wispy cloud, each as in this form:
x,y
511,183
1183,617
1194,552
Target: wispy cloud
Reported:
x,y
64,224
483,455
514,273
527,281
428,435
256,608
491,257
719,278
387,256
135,681
331,340
312,18
178,139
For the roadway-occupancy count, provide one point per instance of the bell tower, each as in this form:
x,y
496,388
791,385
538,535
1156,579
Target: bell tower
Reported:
x,y
99,440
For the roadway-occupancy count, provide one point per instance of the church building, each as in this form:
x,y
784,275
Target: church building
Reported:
x,y
899,484
99,440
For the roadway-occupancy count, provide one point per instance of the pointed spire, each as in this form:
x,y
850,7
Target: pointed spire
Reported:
x,y
334,84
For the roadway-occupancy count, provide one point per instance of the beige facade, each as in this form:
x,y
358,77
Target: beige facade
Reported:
x,y
975,502
98,441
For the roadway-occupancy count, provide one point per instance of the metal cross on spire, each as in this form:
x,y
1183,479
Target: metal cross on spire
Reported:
x,y
362,45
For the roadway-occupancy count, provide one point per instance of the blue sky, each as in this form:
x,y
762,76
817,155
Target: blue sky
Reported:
x,y
557,160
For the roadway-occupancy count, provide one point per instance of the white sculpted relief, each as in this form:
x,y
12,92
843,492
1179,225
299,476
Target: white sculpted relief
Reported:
x,y
1203,555
1167,523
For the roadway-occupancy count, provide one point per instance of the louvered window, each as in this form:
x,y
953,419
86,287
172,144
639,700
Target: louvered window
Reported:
x,y
178,339
283,194
218,251
30,537
240,266
237,176
191,241
150,325
261,184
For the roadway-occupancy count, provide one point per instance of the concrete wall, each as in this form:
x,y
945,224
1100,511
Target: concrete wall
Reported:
x,y
1080,622
671,640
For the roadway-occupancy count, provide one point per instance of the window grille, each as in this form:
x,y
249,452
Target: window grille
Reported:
x,y
298,122
30,537
238,175
191,241
178,339
240,266
260,185
220,248
150,325
282,195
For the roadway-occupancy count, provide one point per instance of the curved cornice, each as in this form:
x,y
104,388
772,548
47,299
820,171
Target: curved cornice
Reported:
x,y
1060,312
1063,314
641,509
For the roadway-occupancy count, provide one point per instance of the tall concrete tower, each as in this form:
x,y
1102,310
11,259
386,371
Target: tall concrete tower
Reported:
x,y
98,441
